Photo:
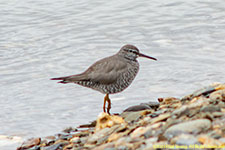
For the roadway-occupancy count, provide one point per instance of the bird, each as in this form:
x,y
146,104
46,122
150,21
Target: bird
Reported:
x,y
109,75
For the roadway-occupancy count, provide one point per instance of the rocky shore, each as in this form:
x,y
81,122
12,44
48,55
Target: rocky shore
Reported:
x,y
196,121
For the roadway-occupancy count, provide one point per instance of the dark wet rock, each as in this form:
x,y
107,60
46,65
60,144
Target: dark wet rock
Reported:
x,y
64,136
30,143
92,124
193,126
153,105
137,108
70,129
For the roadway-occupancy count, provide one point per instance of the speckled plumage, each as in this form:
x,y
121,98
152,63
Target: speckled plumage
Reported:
x,y
109,75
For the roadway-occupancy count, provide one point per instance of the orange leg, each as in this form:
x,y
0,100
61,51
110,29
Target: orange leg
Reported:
x,y
106,99
104,103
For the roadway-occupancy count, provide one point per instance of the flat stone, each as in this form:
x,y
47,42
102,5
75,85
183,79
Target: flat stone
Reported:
x,y
192,127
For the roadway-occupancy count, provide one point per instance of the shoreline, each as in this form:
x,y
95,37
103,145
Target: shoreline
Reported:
x,y
194,121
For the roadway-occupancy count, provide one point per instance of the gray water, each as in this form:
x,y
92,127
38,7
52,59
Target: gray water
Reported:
x,y
52,38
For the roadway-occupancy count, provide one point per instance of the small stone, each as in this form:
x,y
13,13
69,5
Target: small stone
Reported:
x,y
157,113
70,129
64,136
170,100
68,147
75,140
48,140
30,143
220,86
138,132
193,126
161,117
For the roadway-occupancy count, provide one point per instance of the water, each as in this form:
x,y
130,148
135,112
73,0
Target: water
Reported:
x,y
44,39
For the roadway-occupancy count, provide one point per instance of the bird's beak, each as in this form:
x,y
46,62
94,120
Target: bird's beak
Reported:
x,y
149,57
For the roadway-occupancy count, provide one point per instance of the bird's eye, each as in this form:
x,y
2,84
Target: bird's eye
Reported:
x,y
130,50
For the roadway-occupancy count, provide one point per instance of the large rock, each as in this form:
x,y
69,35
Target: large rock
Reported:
x,y
192,127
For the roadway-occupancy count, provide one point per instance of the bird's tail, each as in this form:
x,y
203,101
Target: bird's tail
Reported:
x,y
69,79
64,79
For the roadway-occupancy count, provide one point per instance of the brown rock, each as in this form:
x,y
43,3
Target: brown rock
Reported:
x,y
105,120
30,143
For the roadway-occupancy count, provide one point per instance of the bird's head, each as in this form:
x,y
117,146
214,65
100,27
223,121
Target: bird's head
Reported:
x,y
132,53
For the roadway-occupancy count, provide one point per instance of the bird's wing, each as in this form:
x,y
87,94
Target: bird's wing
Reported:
x,y
104,71
107,70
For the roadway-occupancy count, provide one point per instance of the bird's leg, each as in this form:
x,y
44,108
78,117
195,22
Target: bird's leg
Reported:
x,y
109,104
104,103
106,99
